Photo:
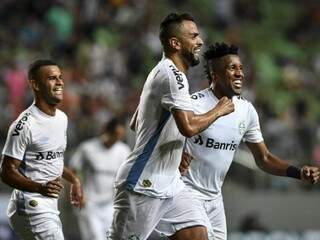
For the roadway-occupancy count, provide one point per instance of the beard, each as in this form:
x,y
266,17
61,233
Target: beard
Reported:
x,y
190,58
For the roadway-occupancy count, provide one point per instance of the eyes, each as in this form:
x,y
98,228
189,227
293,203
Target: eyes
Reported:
x,y
194,35
55,77
234,67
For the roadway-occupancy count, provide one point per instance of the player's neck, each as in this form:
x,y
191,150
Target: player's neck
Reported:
x,y
107,141
178,62
46,108
219,93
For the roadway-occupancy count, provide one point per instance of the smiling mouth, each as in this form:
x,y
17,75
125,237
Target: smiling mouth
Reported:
x,y
237,83
58,91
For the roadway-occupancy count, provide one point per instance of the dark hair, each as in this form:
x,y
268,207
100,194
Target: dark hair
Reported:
x,y
169,26
36,65
215,52
111,125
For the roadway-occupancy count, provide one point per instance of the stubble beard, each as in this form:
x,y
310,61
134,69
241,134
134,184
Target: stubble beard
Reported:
x,y
190,58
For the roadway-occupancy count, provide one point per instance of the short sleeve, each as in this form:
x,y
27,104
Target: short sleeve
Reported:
x,y
176,90
253,133
18,139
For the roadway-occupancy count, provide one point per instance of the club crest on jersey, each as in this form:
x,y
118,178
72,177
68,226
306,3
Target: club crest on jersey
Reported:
x,y
242,127
33,203
146,183
178,76
19,126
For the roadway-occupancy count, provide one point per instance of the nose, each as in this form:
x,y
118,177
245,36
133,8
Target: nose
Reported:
x,y
200,41
238,72
59,81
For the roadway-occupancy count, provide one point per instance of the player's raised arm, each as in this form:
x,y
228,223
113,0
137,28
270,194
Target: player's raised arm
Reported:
x,y
190,124
277,166
11,176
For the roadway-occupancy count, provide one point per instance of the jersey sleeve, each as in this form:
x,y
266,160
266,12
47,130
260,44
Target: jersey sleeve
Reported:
x,y
253,133
176,90
18,139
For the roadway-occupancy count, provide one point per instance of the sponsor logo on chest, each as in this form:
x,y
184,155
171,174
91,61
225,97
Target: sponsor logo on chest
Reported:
x,y
49,155
211,143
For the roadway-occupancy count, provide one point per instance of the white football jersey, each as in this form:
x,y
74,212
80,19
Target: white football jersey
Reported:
x,y
152,167
39,141
98,166
214,148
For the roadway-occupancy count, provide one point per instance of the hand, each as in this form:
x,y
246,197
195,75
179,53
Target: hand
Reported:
x,y
51,188
186,159
224,106
310,174
76,194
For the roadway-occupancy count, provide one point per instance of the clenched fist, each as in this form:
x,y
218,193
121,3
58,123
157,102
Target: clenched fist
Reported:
x,y
224,106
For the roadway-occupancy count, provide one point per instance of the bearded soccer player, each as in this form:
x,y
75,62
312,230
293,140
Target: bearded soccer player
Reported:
x,y
148,184
213,149
32,158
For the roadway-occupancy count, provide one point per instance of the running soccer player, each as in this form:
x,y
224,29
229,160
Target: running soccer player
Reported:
x,y
213,149
148,184
32,158
98,160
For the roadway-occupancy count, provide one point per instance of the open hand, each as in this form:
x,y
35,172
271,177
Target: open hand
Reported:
x,y
76,195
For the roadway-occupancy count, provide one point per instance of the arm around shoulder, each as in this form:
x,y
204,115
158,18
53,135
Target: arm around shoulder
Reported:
x,y
190,124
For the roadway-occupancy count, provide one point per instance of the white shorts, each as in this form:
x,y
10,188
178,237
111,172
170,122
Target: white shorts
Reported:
x,y
34,217
45,226
95,221
214,214
136,215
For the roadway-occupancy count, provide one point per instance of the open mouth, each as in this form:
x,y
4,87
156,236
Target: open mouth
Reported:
x,y
237,83
58,91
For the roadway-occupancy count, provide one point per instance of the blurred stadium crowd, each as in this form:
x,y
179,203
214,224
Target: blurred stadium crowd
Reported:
x,y
107,47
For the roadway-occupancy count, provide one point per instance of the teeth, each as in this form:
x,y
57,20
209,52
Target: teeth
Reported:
x,y
59,91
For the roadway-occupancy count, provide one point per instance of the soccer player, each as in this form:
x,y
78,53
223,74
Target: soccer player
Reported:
x,y
213,149
148,184
98,160
32,158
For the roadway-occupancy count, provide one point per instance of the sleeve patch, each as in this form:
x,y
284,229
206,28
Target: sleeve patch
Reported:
x,y
178,76
19,126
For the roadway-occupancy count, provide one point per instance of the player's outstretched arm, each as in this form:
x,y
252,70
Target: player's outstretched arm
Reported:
x,y
190,124
76,191
12,177
277,166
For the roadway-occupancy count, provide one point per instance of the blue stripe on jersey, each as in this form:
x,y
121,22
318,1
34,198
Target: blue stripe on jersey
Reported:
x,y
143,158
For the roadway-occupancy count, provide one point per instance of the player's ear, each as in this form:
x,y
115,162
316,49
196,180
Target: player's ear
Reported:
x,y
215,76
175,43
34,85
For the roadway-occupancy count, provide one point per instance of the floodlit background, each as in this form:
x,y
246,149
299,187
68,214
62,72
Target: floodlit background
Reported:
x,y
106,49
